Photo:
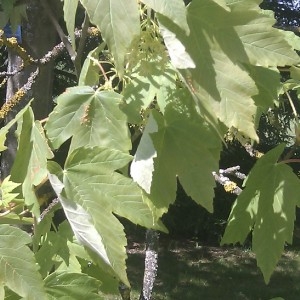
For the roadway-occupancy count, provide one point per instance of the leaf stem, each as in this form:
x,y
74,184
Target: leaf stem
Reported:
x,y
291,160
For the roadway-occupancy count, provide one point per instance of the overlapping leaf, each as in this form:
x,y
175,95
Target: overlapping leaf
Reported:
x,y
267,205
90,70
142,90
219,41
70,8
6,188
184,146
118,21
30,165
265,46
216,91
72,286
93,192
174,10
91,117
19,271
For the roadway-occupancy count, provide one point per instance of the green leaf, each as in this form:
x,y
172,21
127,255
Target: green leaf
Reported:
x,y
253,40
96,178
6,188
216,92
72,286
4,130
91,117
96,236
140,93
19,271
2,291
90,70
268,84
265,45
267,204
118,21
174,10
180,58
15,219
184,145
70,8
52,253
93,192
30,165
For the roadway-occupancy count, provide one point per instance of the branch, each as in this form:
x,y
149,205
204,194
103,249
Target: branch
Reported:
x,y
17,97
229,186
59,30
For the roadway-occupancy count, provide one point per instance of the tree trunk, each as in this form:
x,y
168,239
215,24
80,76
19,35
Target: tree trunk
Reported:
x,y
38,36
151,264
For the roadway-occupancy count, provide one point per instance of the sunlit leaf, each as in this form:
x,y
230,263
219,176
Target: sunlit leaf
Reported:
x,y
265,45
118,21
4,129
30,165
91,117
93,191
19,272
6,189
70,8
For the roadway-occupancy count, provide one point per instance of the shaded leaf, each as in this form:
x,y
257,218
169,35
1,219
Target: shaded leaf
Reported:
x,y
90,70
181,140
267,204
141,92
174,10
19,271
72,286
